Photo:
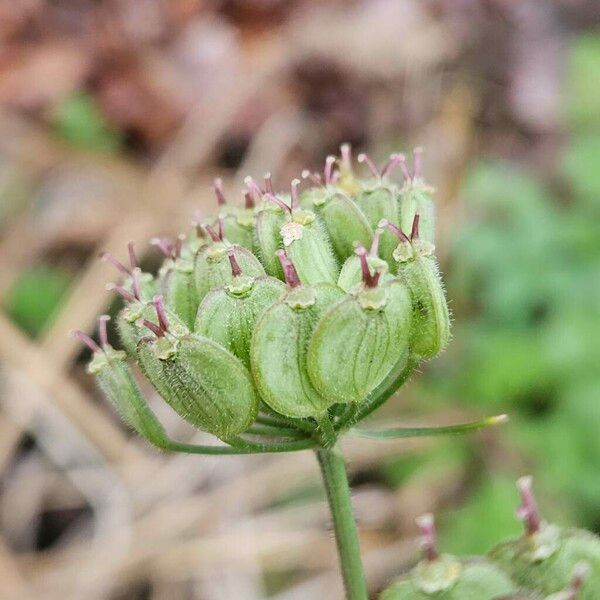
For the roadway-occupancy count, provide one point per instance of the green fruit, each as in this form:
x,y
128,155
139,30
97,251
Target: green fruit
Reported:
x,y
237,223
130,323
344,329
445,577
345,223
351,274
543,559
109,367
418,268
306,243
416,198
269,222
212,268
278,348
378,200
360,339
576,585
379,203
176,280
228,314
474,580
238,228
179,289
204,383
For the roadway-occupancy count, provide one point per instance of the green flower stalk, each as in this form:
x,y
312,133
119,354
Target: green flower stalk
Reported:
x,y
271,327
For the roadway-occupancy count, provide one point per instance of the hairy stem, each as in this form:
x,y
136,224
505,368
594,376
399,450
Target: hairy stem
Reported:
x,y
274,432
291,446
336,484
326,431
240,446
281,421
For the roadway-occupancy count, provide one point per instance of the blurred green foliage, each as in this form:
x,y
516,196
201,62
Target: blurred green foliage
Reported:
x,y
524,282
583,82
35,296
469,530
80,122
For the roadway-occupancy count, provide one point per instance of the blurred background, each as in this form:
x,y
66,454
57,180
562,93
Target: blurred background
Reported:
x,y
115,116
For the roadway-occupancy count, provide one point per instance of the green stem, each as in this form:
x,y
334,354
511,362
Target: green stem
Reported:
x,y
336,484
239,446
281,421
258,447
273,431
327,432
173,446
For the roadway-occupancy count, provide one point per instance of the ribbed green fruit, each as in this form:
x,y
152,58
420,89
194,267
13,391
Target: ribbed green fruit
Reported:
x,y
204,383
228,314
278,355
544,558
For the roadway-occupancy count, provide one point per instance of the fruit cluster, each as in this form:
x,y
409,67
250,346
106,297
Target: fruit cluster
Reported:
x,y
299,309
546,563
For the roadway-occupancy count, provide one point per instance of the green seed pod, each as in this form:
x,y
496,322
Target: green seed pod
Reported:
x,y
268,239
270,218
238,223
306,243
544,558
239,229
314,196
278,348
129,332
212,268
228,314
134,311
323,186
109,367
345,223
418,268
347,181
379,200
204,383
358,341
179,290
343,219
445,577
351,273
141,285
416,197
196,239
177,281
576,586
